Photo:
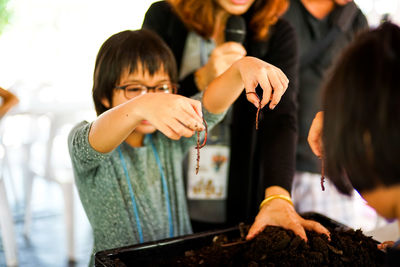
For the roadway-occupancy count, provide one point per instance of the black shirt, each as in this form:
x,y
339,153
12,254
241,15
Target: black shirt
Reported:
x,y
310,31
393,256
262,158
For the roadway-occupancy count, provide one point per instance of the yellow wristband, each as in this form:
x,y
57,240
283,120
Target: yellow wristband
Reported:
x,y
268,199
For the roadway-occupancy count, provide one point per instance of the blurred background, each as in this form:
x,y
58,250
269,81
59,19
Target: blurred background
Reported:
x,y
47,55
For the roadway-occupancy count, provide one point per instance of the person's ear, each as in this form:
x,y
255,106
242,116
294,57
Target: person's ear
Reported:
x,y
105,102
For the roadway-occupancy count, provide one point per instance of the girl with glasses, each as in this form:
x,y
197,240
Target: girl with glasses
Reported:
x,y
128,162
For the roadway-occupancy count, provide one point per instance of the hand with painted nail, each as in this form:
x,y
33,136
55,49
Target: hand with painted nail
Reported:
x,y
246,73
272,80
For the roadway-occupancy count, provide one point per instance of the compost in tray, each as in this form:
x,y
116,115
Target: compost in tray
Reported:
x,y
279,247
273,247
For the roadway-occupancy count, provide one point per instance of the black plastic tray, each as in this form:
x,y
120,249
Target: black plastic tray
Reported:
x,y
144,254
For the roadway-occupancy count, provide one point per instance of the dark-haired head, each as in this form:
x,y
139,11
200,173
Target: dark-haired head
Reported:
x,y
361,103
133,51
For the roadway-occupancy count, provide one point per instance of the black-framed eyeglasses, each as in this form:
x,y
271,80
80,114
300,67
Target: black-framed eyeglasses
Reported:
x,y
133,90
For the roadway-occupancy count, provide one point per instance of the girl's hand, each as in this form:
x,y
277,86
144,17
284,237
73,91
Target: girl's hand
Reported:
x,y
221,58
173,115
272,80
315,134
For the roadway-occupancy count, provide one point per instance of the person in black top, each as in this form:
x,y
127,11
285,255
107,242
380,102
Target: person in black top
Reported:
x,y
361,124
261,161
323,28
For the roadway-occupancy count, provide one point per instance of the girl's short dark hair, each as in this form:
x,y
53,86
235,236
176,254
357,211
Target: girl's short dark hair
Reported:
x,y
129,49
361,103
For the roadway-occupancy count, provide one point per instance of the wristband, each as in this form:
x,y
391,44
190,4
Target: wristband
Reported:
x,y
268,199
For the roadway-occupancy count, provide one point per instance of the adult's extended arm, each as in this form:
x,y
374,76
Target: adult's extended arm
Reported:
x,y
279,144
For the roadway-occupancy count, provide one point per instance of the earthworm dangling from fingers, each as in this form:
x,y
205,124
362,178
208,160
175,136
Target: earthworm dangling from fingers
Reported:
x,y
322,174
258,109
200,146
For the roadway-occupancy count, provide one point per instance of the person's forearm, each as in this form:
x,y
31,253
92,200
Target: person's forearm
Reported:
x,y
201,78
276,190
9,102
112,127
3,110
279,147
223,91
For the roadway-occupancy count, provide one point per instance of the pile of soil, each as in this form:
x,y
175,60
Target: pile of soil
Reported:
x,y
279,247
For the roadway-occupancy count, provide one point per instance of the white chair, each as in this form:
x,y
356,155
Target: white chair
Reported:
x,y
6,217
61,175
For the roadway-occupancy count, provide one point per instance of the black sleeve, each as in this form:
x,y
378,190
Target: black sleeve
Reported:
x,y
156,18
161,19
187,86
264,157
280,141
360,23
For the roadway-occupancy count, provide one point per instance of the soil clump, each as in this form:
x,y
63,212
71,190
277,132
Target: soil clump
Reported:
x,y
277,246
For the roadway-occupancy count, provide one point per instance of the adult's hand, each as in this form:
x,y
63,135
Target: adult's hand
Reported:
x,y
279,212
315,134
221,58
247,73
271,79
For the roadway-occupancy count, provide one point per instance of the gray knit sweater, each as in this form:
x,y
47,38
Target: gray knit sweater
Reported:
x,y
104,191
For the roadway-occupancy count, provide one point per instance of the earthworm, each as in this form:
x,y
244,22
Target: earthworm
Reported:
x,y
258,109
322,174
200,146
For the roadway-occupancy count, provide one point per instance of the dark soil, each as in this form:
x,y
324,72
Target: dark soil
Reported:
x,y
279,247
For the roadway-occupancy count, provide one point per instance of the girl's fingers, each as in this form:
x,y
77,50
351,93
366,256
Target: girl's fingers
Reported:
x,y
167,131
191,123
194,110
176,116
179,128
